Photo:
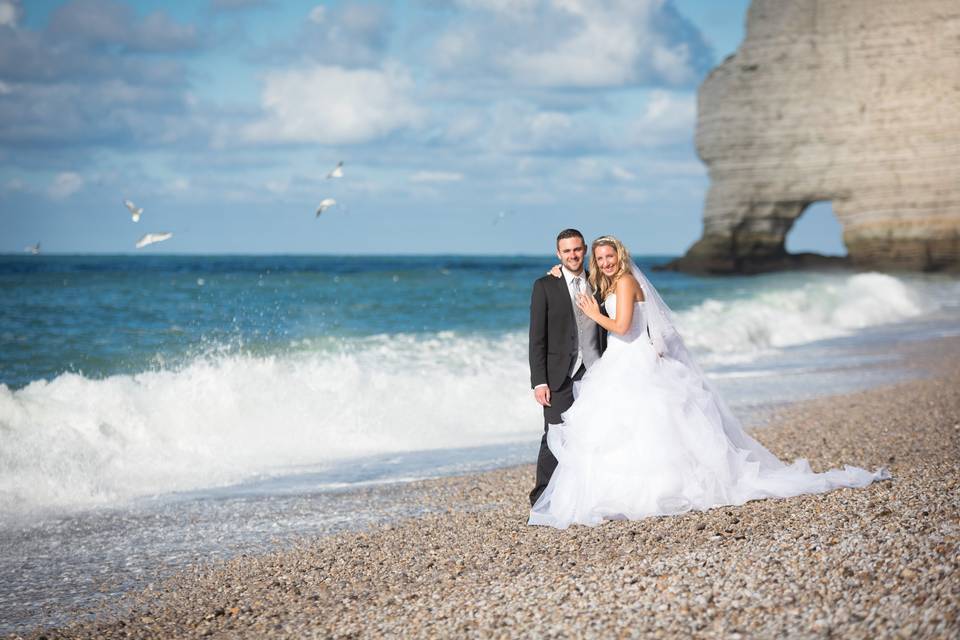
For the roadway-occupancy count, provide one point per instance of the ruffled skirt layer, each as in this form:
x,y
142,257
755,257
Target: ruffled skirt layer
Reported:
x,y
647,437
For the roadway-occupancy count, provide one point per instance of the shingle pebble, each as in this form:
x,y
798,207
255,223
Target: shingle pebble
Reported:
x,y
879,562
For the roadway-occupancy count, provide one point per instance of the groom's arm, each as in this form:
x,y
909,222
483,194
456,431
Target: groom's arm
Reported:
x,y
538,335
601,332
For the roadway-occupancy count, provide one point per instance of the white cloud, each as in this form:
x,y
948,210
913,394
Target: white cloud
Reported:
x,y
672,63
235,5
318,14
278,187
677,168
10,12
179,185
350,35
593,169
105,25
601,52
436,176
509,7
333,105
455,46
64,185
576,43
613,44
464,126
669,118
522,127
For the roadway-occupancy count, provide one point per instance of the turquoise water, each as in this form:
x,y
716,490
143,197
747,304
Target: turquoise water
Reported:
x,y
102,315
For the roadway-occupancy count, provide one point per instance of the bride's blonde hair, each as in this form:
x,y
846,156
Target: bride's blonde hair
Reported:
x,y
598,280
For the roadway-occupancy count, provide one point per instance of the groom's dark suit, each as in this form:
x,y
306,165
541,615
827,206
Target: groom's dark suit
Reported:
x,y
553,351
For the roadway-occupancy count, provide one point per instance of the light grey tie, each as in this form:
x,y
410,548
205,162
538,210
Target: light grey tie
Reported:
x,y
577,290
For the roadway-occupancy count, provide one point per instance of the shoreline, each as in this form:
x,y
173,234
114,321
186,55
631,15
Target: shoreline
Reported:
x,y
868,562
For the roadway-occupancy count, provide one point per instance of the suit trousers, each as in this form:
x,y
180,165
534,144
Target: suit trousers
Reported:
x,y
560,401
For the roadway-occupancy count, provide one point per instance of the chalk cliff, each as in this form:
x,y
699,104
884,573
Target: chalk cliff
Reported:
x,y
853,101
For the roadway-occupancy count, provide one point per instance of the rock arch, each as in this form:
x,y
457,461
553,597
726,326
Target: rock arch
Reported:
x,y
853,101
817,218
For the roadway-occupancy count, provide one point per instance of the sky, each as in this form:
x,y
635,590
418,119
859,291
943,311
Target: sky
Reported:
x,y
464,126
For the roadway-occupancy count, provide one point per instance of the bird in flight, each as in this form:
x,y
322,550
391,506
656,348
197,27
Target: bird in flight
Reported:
x,y
32,249
325,204
134,210
150,238
337,171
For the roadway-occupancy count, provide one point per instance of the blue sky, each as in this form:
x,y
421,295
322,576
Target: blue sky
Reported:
x,y
465,126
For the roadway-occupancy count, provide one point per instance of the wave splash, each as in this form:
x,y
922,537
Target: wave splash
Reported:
x,y
825,306
80,442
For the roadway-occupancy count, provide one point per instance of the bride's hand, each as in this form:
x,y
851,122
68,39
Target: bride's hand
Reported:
x,y
555,271
589,306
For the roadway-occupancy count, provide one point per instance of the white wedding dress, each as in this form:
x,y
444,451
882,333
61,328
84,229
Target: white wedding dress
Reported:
x,y
648,435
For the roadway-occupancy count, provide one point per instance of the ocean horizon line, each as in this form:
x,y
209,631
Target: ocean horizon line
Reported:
x,y
299,255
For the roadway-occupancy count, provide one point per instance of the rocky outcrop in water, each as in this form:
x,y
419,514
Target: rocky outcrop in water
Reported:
x,y
852,101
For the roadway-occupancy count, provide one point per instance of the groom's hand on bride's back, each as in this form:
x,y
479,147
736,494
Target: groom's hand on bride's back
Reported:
x,y
542,395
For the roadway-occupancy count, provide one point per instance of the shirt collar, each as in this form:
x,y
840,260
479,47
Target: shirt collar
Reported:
x,y
569,276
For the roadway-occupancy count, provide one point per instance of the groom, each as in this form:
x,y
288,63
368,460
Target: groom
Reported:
x,y
564,342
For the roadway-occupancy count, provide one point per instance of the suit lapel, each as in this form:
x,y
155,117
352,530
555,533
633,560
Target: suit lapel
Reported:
x,y
561,286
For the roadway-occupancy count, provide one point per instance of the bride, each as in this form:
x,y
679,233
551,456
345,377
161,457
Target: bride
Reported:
x,y
647,434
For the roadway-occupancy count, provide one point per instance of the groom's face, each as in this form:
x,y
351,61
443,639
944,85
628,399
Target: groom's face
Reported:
x,y
571,252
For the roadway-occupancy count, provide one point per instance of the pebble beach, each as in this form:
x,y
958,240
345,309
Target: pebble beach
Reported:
x,y
880,562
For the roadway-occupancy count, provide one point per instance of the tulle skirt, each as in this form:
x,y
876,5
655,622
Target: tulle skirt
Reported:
x,y
648,436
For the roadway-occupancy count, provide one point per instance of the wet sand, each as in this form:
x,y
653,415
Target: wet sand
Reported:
x,y
859,563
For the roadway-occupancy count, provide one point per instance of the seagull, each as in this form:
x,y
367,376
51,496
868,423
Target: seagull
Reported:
x,y
134,210
32,249
337,171
150,238
325,204
502,216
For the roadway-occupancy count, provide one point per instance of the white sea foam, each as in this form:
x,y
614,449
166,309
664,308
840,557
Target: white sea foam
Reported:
x,y
781,315
76,441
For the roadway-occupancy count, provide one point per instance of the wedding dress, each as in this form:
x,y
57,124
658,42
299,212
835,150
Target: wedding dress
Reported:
x,y
648,435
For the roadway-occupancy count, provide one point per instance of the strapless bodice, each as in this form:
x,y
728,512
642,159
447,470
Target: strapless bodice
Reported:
x,y
638,325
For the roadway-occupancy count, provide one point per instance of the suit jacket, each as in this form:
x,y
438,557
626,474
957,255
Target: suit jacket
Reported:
x,y
553,332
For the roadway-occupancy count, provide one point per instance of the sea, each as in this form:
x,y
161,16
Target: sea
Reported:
x,y
158,411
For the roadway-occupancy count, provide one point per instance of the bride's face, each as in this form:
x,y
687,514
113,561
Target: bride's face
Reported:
x,y
607,259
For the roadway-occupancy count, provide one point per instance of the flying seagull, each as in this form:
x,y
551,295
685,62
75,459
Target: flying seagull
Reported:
x,y
134,210
325,204
337,171
150,238
32,249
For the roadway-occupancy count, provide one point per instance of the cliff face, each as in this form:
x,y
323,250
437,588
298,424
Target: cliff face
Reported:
x,y
854,101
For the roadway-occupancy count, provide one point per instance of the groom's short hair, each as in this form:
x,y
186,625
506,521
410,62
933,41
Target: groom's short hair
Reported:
x,y
570,233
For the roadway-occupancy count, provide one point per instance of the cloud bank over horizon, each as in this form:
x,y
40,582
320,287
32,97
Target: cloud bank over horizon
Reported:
x,y
230,113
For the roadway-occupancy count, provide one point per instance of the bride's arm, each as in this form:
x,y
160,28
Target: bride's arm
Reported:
x,y
627,294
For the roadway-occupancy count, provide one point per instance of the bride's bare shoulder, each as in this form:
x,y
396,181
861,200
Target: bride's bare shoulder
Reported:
x,y
627,285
